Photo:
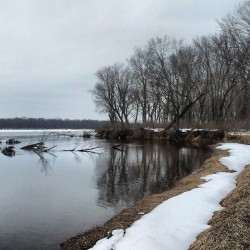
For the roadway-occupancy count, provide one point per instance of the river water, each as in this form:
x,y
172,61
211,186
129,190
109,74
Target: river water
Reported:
x,y
48,197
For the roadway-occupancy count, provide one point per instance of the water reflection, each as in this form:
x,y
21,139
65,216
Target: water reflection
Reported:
x,y
140,170
47,197
44,162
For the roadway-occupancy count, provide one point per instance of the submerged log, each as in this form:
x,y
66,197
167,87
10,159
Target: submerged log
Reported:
x,y
9,151
12,141
38,147
34,146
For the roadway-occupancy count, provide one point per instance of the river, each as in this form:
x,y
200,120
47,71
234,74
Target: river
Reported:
x,y
51,196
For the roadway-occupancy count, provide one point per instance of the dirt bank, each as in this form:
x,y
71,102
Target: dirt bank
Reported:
x,y
191,137
127,216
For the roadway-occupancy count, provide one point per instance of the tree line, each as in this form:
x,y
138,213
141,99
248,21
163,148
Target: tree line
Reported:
x,y
42,123
166,80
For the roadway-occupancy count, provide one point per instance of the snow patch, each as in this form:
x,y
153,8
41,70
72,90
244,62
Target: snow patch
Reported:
x,y
175,223
107,243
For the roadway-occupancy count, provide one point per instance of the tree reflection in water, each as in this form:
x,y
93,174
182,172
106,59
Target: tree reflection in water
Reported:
x,y
140,170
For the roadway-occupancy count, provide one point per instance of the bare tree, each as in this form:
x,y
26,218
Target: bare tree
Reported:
x,y
237,28
104,95
220,74
165,81
113,93
182,85
140,64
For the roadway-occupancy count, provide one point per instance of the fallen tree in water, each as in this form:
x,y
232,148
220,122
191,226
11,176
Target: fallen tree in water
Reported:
x,y
34,146
38,147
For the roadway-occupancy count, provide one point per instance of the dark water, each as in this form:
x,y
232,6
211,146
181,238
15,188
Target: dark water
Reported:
x,y
48,197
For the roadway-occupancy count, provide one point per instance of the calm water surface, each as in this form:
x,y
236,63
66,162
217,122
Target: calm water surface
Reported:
x,y
48,197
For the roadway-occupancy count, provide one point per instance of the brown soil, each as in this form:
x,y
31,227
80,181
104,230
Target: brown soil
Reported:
x,y
127,216
196,137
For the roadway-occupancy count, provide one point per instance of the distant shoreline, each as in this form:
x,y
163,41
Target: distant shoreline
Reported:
x,y
42,123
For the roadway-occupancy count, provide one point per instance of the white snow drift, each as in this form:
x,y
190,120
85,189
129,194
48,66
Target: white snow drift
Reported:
x,y
175,223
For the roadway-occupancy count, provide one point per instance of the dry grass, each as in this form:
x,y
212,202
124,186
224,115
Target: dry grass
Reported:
x,y
240,138
127,216
230,227
245,139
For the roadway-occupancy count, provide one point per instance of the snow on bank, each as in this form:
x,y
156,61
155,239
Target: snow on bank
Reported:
x,y
239,156
175,223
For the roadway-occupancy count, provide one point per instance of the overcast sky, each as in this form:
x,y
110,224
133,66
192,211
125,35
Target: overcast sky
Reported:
x,y
51,49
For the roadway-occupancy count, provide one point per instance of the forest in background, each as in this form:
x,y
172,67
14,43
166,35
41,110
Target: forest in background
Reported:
x,y
167,81
41,123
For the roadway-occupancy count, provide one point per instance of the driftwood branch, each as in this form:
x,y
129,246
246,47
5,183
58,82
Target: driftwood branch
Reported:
x,y
87,149
37,147
48,149
33,146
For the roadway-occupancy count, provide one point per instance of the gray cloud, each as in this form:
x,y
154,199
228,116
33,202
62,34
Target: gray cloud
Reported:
x,y
50,49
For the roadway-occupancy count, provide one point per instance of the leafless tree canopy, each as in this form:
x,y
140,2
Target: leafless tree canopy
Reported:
x,y
114,93
166,80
